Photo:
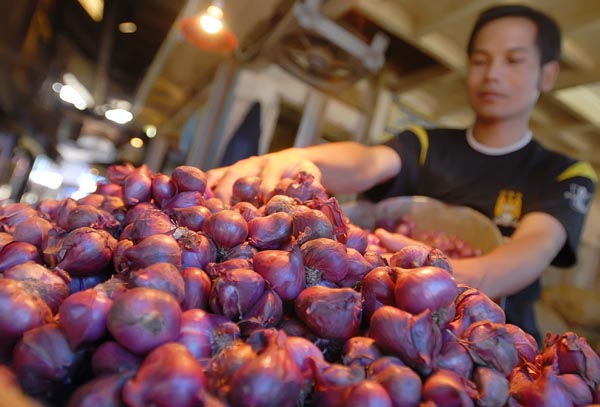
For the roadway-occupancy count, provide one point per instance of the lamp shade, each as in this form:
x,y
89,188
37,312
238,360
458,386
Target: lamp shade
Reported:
x,y
224,41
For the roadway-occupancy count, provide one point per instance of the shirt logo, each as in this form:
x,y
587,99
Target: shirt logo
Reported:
x,y
507,210
579,198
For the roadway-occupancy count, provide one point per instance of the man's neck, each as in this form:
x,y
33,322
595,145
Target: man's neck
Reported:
x,y
499,134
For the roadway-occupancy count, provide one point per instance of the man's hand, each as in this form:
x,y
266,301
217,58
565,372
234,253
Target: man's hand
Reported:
x,y
271,168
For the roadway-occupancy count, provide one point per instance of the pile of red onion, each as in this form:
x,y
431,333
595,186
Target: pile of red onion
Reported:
x,y
151,291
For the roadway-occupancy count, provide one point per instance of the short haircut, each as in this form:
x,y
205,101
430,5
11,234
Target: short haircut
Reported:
x,y
548,31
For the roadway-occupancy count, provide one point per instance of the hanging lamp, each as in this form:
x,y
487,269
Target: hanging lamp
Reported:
x,y
208,31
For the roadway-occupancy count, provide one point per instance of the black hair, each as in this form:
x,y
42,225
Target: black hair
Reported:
x,y
548,31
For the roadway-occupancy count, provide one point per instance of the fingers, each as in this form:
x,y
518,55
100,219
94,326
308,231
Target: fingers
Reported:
x,y
222,179
395,241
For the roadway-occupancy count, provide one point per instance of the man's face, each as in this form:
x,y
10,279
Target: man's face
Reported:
x,y
503,77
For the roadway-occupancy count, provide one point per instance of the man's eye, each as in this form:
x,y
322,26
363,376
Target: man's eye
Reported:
x,y
478,61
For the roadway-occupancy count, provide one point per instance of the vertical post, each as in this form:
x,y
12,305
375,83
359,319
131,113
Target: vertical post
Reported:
x,y
310,123
109,28
155,155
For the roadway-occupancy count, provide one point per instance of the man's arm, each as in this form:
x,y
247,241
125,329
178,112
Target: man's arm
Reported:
x,y
343,167
512,266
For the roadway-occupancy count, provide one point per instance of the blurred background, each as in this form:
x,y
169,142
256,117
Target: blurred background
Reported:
x,y
89,83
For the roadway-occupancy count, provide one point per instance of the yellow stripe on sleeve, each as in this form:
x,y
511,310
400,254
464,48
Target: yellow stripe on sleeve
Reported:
x,y
423,138
579,169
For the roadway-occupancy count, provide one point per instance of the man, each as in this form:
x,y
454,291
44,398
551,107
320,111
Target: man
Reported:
x,y
537,197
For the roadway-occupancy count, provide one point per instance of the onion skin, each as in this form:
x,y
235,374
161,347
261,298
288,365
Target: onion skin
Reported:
x,y
247,210
324,260
226,363
169,376
446,389
186,199
332,313
266,312
383,363
188,178
490,344
18,253
360,350
51,286
21,311
492,387
162,188
308,224
402,384
281,203
473,306
137,187
86,251
270,379
357,238
143,318
32,230
192,217
283,270
546,391
302,351
368,393
424,288
161,276
197,249
332,381
197,288
247,189
206,334
151,222
235,292
454,356
111,358
102,391
83,317
270,231
579,392
525,343
113,287
358,267
227,228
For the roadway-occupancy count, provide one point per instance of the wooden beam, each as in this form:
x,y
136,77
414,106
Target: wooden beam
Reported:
x,y
442,15
577,57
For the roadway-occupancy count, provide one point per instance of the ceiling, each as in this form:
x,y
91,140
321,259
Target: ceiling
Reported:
x,y
166,78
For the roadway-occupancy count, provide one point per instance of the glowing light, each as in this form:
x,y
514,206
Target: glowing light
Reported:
x,y
70,95
119,115
94,8
127,27
49,179
136,142
56,86
150,130
211,20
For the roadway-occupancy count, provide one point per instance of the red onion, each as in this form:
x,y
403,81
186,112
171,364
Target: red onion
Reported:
x,y
151,222
83,283
162,188
168,376
161,276
416,339
227,228
215,205
579,392
144,318
283,270
409,257
472,306
43,360
302,351
102,391
89,216
305,187
247,189
117,173
490,344
358,267
21,311
241,251
308,224
402,385
110,358
247,210
525,343
51,286
188,178
206,334
333,313
368,393
138,210
446,389
324,259
5,238
492,387
377,289
272,378
186,199
113,287
425,288
382,363
83,317
360,350
32,230
332,209
197,288
357,238
266,312
454,356
270,231
332,381
154,249
47,207
235,291
63,208
197,249
216,270
86,251
15,253
137,187
191,217
281,203
109,189
226,363
120,262
520,379
15,213
546,391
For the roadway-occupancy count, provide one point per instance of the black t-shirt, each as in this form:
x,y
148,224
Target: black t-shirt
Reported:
x,y
443,164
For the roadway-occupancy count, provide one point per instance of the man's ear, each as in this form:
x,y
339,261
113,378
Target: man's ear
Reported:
x,y
549,76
